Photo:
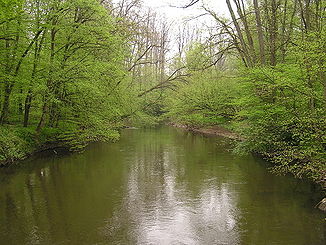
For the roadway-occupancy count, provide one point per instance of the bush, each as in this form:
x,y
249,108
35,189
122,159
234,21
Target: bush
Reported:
x,y
15,143
278,121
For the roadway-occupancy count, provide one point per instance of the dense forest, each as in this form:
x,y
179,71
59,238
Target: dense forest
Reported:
x,y
73,72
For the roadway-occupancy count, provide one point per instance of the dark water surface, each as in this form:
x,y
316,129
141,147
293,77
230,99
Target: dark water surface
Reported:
x,y
159,186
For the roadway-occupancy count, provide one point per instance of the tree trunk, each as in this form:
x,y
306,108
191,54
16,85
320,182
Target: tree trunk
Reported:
x,y
273,33
260,33
20,104
324,83
243,16
240,35
27,107
49,84
42,121
5,106
283,49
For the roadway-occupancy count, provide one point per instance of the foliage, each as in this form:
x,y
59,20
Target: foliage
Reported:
x,y
277,121
276,99
62,74
14,144
207,98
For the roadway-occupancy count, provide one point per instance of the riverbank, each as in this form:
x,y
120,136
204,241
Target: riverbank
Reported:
x,y
18,143
223,132
210,130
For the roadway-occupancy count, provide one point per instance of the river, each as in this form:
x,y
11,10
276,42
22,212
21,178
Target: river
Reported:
x,y
155,186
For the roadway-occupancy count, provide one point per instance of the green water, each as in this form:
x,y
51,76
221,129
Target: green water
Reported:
x,y
159,186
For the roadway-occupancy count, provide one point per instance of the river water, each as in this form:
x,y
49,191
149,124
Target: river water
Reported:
x,y
155,186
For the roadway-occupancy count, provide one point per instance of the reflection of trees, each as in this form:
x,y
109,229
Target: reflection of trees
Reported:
x,y
12,213
59,201
274,206
33,206
35,219
167,200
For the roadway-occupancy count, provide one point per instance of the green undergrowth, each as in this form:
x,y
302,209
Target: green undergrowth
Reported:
x,y
278,110
17,143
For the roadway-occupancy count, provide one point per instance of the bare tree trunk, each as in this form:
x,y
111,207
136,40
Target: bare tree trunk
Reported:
x,y
243,17
273,33
45,108
283,50
240,35
260,33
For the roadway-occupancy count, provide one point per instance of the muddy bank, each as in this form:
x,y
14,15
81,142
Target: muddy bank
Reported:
x,y
211,130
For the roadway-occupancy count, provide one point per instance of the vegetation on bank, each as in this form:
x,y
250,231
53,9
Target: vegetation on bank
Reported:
x,y
269,86
65,74
17,143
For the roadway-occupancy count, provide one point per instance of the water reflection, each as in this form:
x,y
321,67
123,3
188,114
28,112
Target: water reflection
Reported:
x,y
163,210
155,187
